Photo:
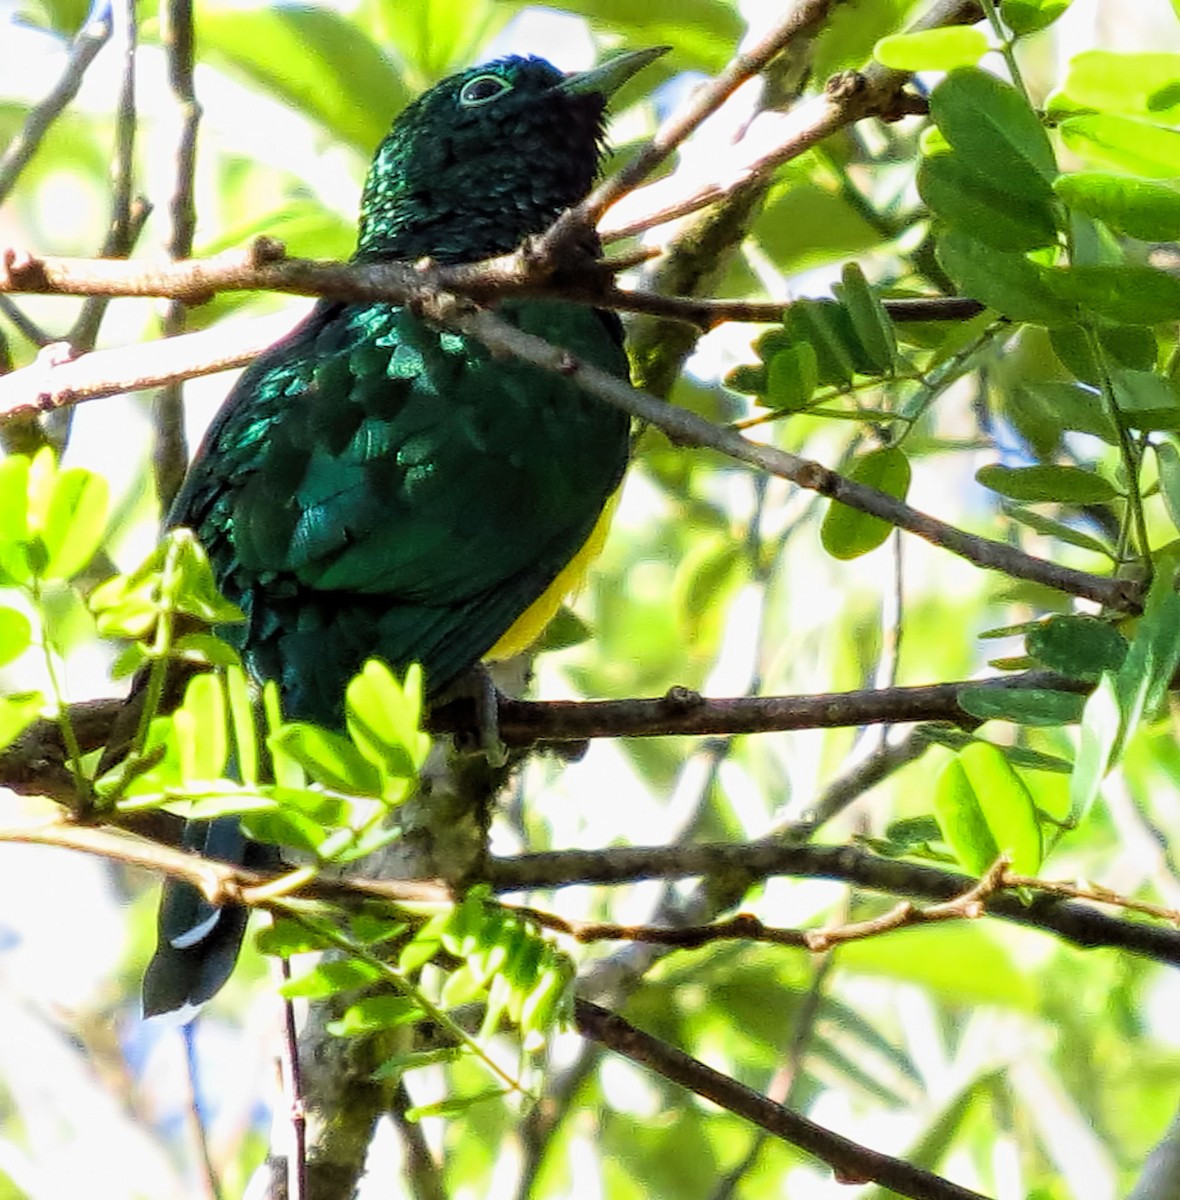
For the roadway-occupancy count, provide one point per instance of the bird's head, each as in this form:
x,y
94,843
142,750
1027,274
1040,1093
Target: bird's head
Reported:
x,y
487,157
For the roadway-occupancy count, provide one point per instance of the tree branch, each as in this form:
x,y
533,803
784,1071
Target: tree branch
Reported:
x,y
1072,921
95,34
851,1162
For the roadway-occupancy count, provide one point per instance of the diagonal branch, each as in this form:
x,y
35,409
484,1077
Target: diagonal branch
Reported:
x,y
850,1161
94,34
687,429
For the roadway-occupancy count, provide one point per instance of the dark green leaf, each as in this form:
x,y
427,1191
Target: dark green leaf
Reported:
x,y
827,328
1072,406
1145,400
286,937
869,319
1133,346
1060,530
792,376
981,206
990,125
1127,295
1009,283
1064,485
1079,646
1023,706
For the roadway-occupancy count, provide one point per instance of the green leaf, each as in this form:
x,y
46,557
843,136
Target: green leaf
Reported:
x,y
1036,707
932,49
847,533
792,376
328,758
1097,739
74,521
979,205
985,809
990,125
1009,283
1073,406
452,1107
1127,295
1140,208
435,37
1141,147
1081,647
548,999
15,634
827,328
1063,485
245,731
375,1013
1030,16
1060,530
286,937
1133,346
188,584
1146,400
1168,461
14,522
199,724
748,379
870,321
703,33
385,719
960,817
1142,84
318,61
17,712
330,978
286,827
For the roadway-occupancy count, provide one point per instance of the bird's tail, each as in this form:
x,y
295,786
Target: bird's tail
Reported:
x,y
197,942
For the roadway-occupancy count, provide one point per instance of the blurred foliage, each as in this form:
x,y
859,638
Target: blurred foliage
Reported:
x,y
1015,1064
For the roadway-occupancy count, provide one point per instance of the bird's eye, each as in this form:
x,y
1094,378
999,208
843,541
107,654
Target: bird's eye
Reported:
x,y
481,89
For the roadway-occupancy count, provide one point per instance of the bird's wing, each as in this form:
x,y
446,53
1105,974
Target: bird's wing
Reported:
x,y
374,469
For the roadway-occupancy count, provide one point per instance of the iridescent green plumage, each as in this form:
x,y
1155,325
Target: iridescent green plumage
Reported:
x,y
377,486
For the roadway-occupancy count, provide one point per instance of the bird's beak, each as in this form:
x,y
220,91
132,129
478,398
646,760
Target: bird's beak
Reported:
x,y
607,78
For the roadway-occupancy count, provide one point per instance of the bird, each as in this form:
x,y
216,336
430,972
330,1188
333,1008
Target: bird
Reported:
x,y
378,486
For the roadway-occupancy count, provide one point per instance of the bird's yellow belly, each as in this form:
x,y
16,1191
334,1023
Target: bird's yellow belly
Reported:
x,y
529,625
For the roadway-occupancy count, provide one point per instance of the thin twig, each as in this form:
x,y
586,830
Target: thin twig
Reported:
x,y
170,447
292,1077
221,883
850,1161
803,17
94,34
